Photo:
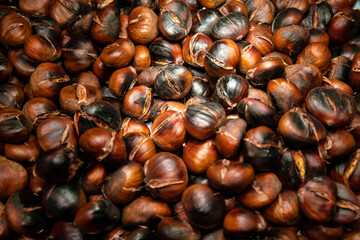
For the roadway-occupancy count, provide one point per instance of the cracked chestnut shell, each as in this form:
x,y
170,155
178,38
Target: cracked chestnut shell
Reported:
x,y
121,80
222,58
195,48
347,205
340,68
291,39
203,117
234,26
260,36
317,54
230,177
173,82
137,102
285,17
175,228
14,125
164,52
300,129
103,145
143,22
203,207
317,199
40,48
14,29
331,106
174,21
204,20
25,152
124,184
97,216
58,164
318,16
166,176
140,147
260,11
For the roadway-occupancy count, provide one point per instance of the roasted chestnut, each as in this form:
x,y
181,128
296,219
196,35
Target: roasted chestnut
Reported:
x,y
40,48
118,54
164,52
137,102
234,26
195,48
260,11
143,22
14,125
14,29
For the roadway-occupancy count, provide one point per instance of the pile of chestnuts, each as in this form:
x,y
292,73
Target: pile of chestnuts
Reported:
x,y
179,120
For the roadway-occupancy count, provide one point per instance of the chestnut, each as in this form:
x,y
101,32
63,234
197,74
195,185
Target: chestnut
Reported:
x,y
340,69
15,29
314,230
195,48
148,75
66,231
299,129
298,166
337,84
124,183
204,20
168,130
143,25
103,145
55,131
200,87
240,222
139,146
142,59
144,211
199,155
233,6
24,213
175,228
203,117
234,26
317,198
38,8
92,177
291,39
6,68
165,176
14,125
343,26
319,36
25,152
58,164
62,201
285,17
318,16
122,80
229,135
317,54
347,205
118,54
174,21
263,190
211,3
222,58
261,37
137,102
22,64
334,108
230,177
11,95
204,208
47,80
354,129
142,233
130,125
14,177
250,56
64,12
173,82
5,231
37,107
285,209
260,11
164,52
42,49
355,73
161,106
106,24
97,216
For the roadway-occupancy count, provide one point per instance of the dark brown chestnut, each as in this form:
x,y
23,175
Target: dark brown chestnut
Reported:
x,y
165,176
319,36
164,52
234,26
92,177
137,102
6,68
204,20
250,56
143,25
340,68
25,152
40,48
302,5
347,205
64,12
122,80
118,54
260,11
14,125
318,16
195,48
343,26
317,54
38,107
66,231
260,36
174,228
14,29
355,73
140,147
11,95
130,125
22,64
285,17
314,230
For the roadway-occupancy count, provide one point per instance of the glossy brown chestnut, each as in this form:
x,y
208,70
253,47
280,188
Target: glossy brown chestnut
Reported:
x,y
5,231
14,177
47,80
11,95
14,125
122,80
163,52
174,21
204,20
64,12
66,231
317,198
25,152
168,130
354,129
291,39
130,125
260,11
222,58
234,26
250,56
320,231
233,6
140,147
284,95
97,216
343,26
331,106
144,211
58,164
40,48
263,190
6,68
285,17
55,131
261,37
142,59
204,208
143,22
200,87
161,106
118,54
240,222
229,135
24,213
337,84
318,16
137,102
174,228
285,209
173,82
317,54
37,107
124,184
22,64
92,177
195,48
165,176
230,177
103,145
38,8
62,201
211,3
340,69
14,29
203,117
319,36
347,205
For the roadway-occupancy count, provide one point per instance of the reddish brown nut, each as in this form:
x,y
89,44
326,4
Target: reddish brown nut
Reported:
x,y
40,48
14,125
137,102
195,48
250,56
92,177
166,176
317,54
25,152
142,28
261,37
355,73
142,59
176,228
260,11
14,29
130,125
122,80
140,147
118,54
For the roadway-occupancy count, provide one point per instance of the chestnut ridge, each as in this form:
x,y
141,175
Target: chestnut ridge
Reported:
x,y
183,119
